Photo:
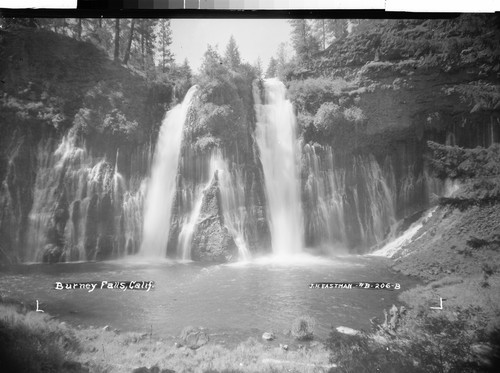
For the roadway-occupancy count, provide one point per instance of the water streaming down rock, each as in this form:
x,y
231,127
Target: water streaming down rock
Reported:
x,y
80,205
350,205
276,139
189,226
162,185
210,205
324,198
232,194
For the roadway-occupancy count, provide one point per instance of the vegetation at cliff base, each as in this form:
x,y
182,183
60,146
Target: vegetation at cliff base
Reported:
x,y
32,342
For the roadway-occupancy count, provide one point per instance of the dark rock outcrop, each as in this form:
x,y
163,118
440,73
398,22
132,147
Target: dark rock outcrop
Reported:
x,y
212,242
194,338
52,253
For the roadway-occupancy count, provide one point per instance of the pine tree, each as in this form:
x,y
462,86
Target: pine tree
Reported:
x,y
163,34
186,70
232,55
258,68
116,55
304,42
129,44
281,60
272,69
328,30
212,62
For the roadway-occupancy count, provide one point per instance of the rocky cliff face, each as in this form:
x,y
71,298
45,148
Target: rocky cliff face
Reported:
x,y
78,134
75,142
376,98
212,241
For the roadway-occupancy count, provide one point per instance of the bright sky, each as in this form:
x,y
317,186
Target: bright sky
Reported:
x,y
254,38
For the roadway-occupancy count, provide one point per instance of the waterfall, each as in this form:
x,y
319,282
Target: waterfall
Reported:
x,y
277,143
82,207
232,194
188,228
162,186
324,197
348,205
62,177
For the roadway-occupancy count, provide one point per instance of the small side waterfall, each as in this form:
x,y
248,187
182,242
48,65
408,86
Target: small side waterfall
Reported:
x,y
232,194
162,186
82,207
276,139
346,201
324,198
187,231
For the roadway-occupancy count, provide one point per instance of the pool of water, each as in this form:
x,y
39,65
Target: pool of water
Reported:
x,y
241,298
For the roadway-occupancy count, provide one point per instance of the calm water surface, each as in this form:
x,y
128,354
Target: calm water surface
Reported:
x,y
246,298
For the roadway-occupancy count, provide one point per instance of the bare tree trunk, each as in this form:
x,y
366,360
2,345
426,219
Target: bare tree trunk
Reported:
x,y
117,40
324,38
142,45
127,52
79,29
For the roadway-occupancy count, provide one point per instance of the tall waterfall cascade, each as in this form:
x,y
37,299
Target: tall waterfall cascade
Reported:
x,y
162,185
279,154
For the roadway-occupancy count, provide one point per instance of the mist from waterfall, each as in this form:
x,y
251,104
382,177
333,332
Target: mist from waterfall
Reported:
x,y
276,139
162,185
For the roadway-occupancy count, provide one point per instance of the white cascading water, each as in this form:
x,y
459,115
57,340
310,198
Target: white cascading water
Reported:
x,y
232,193
71,178
188,228
276,138
325,191
162,186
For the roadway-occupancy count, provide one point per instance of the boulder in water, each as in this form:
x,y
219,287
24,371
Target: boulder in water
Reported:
x,y
347,330
194,338
141,370
268,336
74,367
52,253
104,247
211,241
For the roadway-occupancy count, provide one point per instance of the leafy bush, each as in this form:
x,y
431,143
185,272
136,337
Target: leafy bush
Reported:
x,y
303,328
29,342
360,354
311,93
338,126
116,125
459,163
329,120
426,341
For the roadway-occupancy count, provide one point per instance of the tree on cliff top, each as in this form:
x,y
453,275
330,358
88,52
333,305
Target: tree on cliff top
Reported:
x,y
212,62
272,68
304,42
163,34
327,30
232,55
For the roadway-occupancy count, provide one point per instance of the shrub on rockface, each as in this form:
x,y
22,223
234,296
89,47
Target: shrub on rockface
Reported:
x,y
113,127
303,328
311,93
459,163
31,342
426,342
222,112
338,126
